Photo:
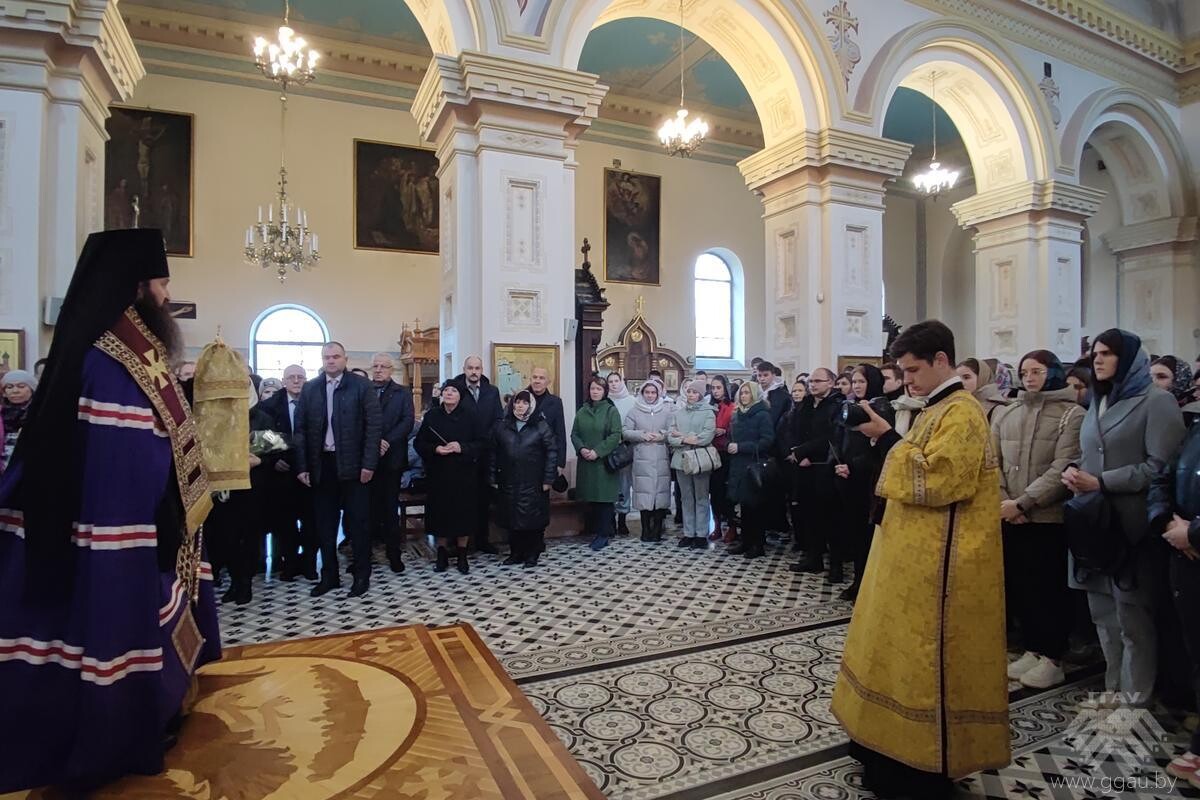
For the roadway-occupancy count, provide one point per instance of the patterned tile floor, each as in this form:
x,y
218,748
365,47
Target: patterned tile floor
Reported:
x,y
674,673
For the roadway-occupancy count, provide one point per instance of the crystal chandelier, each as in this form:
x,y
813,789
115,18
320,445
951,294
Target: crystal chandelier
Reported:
x,y
283,244
288,60
936,178
678,135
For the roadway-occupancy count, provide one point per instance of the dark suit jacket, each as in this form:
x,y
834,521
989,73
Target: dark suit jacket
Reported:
x,y
357,424
488,412
550,408
396,407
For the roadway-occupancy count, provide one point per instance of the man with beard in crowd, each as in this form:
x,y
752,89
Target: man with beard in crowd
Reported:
x,y
106,607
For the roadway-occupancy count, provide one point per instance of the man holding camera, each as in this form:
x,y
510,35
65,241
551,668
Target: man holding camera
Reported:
x,y
811,454
923,689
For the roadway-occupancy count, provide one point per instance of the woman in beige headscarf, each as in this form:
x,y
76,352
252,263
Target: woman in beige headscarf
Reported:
x,y
979,378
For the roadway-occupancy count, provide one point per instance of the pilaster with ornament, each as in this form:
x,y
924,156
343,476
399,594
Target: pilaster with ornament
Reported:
x,y
1028,262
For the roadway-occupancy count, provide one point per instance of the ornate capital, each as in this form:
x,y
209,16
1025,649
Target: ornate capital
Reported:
x,y
77,52
881,159
1068,199
1170,231
516,91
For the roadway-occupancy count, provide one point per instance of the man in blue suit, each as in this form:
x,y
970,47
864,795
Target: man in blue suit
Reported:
x,y
396,408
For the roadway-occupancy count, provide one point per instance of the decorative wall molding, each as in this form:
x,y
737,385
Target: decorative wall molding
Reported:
x,y
829,147
524,201
453,84
1027,196
845,49
1029,23
1151,234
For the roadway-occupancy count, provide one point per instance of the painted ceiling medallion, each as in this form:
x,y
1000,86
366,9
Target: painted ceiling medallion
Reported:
x,y
844,47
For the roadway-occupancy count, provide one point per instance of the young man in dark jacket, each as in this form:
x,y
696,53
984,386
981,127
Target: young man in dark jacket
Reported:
x,y
396,410
483,401
812,450
338,425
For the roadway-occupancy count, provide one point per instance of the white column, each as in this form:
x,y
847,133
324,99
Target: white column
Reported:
x,y
823,219
505,133
1028,240
61,64
1159,284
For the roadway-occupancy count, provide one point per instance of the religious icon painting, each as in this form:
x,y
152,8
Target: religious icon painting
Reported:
x,y
148,174
632,218
12,350
395,198
513,365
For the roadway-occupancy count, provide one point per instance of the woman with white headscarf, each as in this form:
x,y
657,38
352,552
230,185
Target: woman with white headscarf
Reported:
x,y
646,427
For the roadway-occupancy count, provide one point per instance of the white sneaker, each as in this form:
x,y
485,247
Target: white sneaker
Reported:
x,y
1022,665
1044,675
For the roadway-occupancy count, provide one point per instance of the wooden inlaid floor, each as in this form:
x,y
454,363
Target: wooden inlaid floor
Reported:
x,y
408,712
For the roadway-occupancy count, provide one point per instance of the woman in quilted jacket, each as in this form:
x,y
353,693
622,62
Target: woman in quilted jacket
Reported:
x,y
693,425
1035,439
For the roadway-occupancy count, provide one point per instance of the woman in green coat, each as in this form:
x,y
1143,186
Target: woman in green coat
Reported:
x,y
595,434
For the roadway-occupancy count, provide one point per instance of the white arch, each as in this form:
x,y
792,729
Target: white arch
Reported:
x,y
1002,117
1142,147
271,310
769,48
450,26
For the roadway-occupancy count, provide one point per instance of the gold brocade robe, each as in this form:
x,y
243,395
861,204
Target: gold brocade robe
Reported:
x,y
923,678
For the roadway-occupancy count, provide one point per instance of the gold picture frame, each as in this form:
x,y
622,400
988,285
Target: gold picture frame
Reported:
x,y
512,365
12,349
849,362
149,150
421,234
632,203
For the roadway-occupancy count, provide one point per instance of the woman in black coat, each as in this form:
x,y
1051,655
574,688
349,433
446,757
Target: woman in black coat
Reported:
x,y
524,462
450,447
750,438
857,470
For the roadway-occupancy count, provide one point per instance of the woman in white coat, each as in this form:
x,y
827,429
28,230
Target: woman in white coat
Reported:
x,y
646,427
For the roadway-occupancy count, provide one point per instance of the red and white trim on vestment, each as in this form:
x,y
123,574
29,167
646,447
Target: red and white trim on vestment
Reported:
x,y
205,571
174,602
114,537
12,521
115,415
92,670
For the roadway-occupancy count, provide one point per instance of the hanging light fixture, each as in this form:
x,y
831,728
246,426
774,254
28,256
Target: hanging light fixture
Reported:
x,y
289,59
936,178
680,136
286,243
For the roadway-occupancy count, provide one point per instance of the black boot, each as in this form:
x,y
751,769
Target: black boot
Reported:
x,y
396,561
443,560
516,549
241,591
230,593
754,545
647,530
660,524
462,565
622,527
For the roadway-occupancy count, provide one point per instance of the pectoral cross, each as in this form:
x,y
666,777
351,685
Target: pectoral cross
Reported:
x,y
157,368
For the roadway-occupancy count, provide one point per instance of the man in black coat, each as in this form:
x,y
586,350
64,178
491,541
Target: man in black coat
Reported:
x,y
813,450
396,408
550,408
779,399
291,502
483,401
338,427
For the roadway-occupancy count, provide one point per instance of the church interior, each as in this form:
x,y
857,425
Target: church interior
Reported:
x,y
500,179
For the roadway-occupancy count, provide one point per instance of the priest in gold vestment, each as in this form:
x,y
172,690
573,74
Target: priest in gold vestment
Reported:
x,y
923,691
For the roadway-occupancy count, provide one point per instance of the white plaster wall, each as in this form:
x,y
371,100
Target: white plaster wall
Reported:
x,y
900,257
704,205
1100,266
363,296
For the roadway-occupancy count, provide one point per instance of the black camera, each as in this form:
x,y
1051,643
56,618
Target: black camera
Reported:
x,y
854,415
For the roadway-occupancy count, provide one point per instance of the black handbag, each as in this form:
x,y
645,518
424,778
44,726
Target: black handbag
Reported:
x,y
1095,537
763,474
619,458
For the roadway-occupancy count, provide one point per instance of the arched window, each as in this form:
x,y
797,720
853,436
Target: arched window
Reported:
x,y
716,327
287,334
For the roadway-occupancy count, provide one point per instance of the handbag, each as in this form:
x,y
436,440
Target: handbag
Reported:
x,y
1094,536
619,458
762,473
701,459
